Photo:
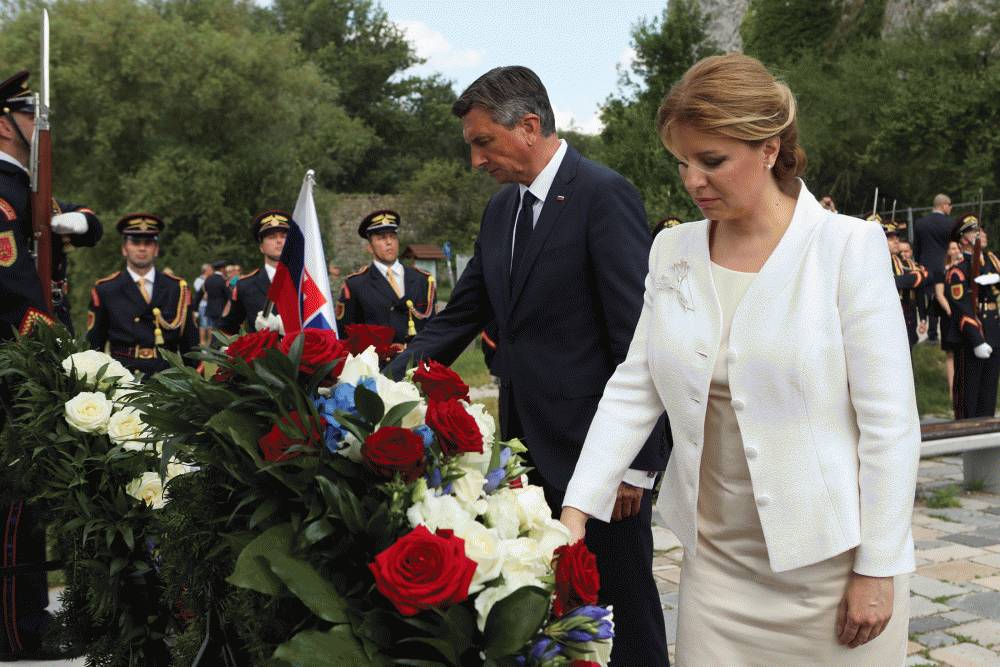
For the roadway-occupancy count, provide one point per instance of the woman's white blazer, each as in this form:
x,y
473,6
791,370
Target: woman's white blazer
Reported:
x,y
821,383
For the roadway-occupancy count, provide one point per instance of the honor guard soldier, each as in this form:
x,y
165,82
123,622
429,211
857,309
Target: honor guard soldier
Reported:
x,y
908,279
249,296
386,292
72,225
971,288
666,223
138,311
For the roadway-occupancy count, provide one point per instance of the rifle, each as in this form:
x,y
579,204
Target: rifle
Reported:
x,y
41,174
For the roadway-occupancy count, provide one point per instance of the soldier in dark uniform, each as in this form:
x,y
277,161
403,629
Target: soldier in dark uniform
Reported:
x,y
386,292
23,592
139,310
72,225
972,293
249,297
908,279
666,223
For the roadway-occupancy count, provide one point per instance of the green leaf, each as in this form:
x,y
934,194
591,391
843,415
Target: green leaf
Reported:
x,y
252,569
369,404
317,530
312,648
263,511
238,427
514,620
395,416
308,585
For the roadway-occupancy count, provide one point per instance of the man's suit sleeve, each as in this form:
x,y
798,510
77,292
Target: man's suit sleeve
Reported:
x,y
233,319
97,322
619,242
451,330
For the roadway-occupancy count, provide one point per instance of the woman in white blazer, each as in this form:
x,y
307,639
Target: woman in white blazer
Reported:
x,y
772,335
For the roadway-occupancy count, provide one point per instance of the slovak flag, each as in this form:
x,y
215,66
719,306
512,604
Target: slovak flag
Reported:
x,y
301,286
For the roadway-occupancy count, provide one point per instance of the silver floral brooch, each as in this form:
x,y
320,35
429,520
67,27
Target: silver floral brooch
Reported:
x,y
678,283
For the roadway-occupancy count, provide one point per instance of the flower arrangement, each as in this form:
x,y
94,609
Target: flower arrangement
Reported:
x,y
298,505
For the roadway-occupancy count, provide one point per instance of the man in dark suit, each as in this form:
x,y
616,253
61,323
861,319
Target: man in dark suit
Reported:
x,y
139,311
931,235
249,296
559,264
216,295
385,292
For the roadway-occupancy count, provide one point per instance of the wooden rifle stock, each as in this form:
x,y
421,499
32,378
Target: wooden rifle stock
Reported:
x,y
41,215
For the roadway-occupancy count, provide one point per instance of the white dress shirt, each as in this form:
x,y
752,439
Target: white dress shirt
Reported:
x,y
147,279
7,157
397,271
270,270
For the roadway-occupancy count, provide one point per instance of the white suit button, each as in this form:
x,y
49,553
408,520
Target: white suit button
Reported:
x,y
751,453
738,404
763,500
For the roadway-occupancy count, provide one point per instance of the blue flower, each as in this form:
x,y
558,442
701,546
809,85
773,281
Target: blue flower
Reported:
x,y
505,454
425,432
342,398
493,479
545,649
433,477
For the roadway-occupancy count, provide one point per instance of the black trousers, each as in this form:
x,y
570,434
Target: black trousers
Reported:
x,y
624,552
24,595
975,386
933,312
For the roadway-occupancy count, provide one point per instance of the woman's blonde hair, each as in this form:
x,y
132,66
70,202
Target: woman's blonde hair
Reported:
x,y
734,95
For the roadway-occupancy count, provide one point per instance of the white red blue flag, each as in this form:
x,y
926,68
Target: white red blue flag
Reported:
x,y
301,286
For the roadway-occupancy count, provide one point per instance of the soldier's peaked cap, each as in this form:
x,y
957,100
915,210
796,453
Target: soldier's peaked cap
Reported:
x,y
269,221
15,94
379,221
145,225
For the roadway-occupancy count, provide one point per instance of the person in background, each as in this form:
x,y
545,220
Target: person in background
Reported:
x,y
216,296
200,302
931,235
918,296
827,203
949,333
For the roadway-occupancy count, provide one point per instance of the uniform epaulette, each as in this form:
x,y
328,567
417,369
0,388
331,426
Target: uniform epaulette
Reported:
x,y
249,275
358,273
419,270
107,278
167,275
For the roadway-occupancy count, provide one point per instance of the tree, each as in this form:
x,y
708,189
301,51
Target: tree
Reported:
x,y
664,49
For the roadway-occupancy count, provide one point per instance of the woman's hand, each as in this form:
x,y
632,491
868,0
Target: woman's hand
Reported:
x,y
865,609
576,521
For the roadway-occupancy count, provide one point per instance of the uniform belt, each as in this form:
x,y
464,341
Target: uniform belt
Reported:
x,y
988,306
135,352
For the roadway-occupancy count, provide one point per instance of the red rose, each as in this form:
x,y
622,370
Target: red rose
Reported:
x,y
584,663
393,449
423,570
275,443
320,346
252,345
577,580
439,382
362,336
456,429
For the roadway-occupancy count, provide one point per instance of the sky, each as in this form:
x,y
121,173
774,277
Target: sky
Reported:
x,y
575,46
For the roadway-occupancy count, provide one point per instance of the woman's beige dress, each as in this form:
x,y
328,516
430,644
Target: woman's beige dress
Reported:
x,y
733,609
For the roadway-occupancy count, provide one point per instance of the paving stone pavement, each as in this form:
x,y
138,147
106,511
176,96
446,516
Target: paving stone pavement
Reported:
x,y
955,592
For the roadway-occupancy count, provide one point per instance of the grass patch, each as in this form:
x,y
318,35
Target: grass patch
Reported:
x,y
942,517
975,485
931,381
963,639
472,367
946,496
942,599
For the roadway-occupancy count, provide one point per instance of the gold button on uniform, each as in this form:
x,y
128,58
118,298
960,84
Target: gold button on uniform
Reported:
x,y
136,319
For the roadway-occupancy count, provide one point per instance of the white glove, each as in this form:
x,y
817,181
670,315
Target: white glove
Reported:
x,y
988,279
983,351
69,223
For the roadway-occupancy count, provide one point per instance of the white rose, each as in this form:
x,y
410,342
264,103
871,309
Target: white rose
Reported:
x,y
148,488
89,412
501,513
394,393
479,460
175,468
514,577
468,489
438,512
485,547
360,366
550,536
532,509
126,428
88,363
121,395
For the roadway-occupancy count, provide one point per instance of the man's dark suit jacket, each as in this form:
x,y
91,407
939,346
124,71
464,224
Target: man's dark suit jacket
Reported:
x,y
248,298
931,235
217,296
568,318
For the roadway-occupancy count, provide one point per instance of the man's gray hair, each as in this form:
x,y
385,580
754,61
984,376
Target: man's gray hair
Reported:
x,y
941,200
508,93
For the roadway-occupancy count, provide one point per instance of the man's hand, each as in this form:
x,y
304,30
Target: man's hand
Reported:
x,y
865,609
628,502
